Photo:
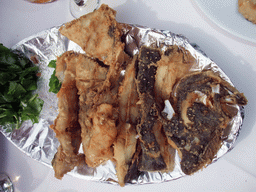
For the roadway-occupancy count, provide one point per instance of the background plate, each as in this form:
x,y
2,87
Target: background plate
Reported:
x,y
225,14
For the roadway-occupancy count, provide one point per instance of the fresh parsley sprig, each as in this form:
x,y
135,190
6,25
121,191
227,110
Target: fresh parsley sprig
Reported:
x,y
54,82
18,80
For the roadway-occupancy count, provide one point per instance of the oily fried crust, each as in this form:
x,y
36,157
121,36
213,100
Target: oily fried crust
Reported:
x,y
151,159
208,80
66,126
124,149
63,164
248,9
128,95
125,143
118,117
97,114
102,133
197,128
98,34
174,64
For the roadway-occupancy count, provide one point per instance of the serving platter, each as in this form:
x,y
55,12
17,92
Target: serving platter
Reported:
x,y
38,141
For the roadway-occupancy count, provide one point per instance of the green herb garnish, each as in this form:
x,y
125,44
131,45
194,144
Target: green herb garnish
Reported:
x,y
54,82
18,80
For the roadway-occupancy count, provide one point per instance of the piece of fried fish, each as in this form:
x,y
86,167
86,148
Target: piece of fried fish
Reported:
x,y
204,106
173,65
98,111
151,159
66,126
125,143
98,34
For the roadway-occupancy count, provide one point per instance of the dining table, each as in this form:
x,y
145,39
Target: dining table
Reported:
x,y
233,50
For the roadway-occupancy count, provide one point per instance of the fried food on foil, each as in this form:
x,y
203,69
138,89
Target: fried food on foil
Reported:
x,y
125,143
98,34
115,105
103,134
66,126
124,149
128,96
98,112
204,107
108,118
174,64
152,159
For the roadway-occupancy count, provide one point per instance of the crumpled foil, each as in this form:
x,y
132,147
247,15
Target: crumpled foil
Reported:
x,y
38,140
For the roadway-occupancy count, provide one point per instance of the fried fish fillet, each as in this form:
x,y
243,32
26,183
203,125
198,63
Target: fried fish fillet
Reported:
x,y
66,126
98,34
204,106
128,95
103,134
166,150
98,112
124,149
125,144
174,64
118,118
151,159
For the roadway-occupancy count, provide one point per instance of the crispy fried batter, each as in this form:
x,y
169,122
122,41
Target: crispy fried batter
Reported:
x,y
197,128
66,124
124,149
166,150
62,163
174,64
151,159
118,117
98,114
128,95
125,144
98,34
103,134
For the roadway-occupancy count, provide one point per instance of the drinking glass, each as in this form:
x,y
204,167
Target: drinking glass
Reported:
x,y
5,183
82,7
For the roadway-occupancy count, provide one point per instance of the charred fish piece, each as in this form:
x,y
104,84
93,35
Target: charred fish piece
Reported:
x,y
151,159
204,106
133,172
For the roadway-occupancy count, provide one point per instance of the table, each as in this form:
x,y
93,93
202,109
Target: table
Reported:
x,y
236,171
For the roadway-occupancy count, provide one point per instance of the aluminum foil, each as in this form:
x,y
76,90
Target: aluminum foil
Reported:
x,y
38,140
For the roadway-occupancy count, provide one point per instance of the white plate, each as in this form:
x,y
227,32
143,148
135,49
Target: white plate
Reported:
x,y
225,14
